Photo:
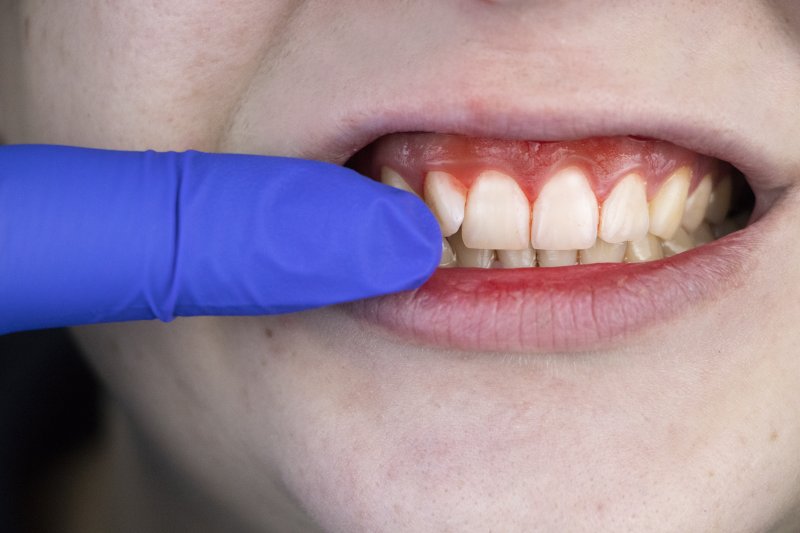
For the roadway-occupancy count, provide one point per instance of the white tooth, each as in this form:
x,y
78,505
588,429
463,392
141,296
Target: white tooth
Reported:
x,y
497,215
470,257
679,243
448,257
624,215
565,213
393,179
645,249
666,209
696,205
556,258
720,202
703,234
446,197
517,258
603,252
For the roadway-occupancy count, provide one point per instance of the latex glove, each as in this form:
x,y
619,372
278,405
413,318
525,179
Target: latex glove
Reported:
x,y
97,236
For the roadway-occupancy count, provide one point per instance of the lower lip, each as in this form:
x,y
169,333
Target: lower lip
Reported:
x,y
561,309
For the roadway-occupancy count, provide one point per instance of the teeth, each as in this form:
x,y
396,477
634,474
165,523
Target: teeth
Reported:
x,y
625,216
448,256
666,209
729,225
446,197
703,234
517,258
720,202
497,214
470,257
565,213
603,252
393,179
556,258
696,205
645,249
679,243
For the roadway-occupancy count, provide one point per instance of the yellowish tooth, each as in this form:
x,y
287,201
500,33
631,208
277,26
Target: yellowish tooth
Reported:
x,y
446,197
497,214
703,234
680,242
448,256
565,213
625,215
720,201
392,178
697,204
517,258
666,208
556,258
470,257
645,249
603,252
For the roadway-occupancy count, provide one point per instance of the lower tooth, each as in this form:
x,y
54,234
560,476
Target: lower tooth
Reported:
x,y
603,252
647,248
448,257
720,201
679,243
556,258
703,234
470,257
517,258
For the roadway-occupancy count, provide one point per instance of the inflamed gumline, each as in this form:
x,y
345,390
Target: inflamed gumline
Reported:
x,y
519,204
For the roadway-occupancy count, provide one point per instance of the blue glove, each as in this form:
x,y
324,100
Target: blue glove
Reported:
x,y
102,236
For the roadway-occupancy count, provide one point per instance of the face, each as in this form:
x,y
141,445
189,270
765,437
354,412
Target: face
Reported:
x,y
666,401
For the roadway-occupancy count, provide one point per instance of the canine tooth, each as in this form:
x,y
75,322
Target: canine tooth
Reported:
x,y
603,252
446,197
470,257
666,209
647,248
703,234
556,258
720,202
679,243
696,205
565,213
497,214
392,178
448,256
624,215
517,258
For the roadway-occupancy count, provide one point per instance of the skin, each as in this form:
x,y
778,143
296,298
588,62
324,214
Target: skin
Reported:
x,y
312,422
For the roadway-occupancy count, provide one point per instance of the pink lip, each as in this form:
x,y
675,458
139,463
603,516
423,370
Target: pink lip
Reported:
x,y
558,309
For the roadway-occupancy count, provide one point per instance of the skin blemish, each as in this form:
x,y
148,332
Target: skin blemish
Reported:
x,y
269,333
773,436
26,30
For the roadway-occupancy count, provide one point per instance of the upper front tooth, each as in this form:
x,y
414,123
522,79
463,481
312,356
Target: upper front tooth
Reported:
x,y
666,209
392,178
720,201
497,214
446,197
624,215
696,205
565,213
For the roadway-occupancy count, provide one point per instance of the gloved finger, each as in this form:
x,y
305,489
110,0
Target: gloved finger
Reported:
x,y
95,236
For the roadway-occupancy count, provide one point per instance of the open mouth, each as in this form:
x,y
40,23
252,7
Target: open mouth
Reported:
x,y
556,246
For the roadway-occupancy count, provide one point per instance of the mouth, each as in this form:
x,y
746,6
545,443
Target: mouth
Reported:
x,y
565,246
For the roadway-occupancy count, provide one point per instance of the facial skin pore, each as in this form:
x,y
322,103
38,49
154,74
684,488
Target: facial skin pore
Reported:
x,y
316,421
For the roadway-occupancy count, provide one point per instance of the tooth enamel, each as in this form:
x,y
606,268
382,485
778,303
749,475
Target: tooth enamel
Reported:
x,y
497,215
647,248
565,213
448,257
517,258
696,205
720,202
703,234
666,209
555,258
624,215
679,243
394,179
446,197
603,252
470,257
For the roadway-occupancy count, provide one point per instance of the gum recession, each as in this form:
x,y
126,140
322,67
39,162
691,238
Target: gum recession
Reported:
x,y
556,309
